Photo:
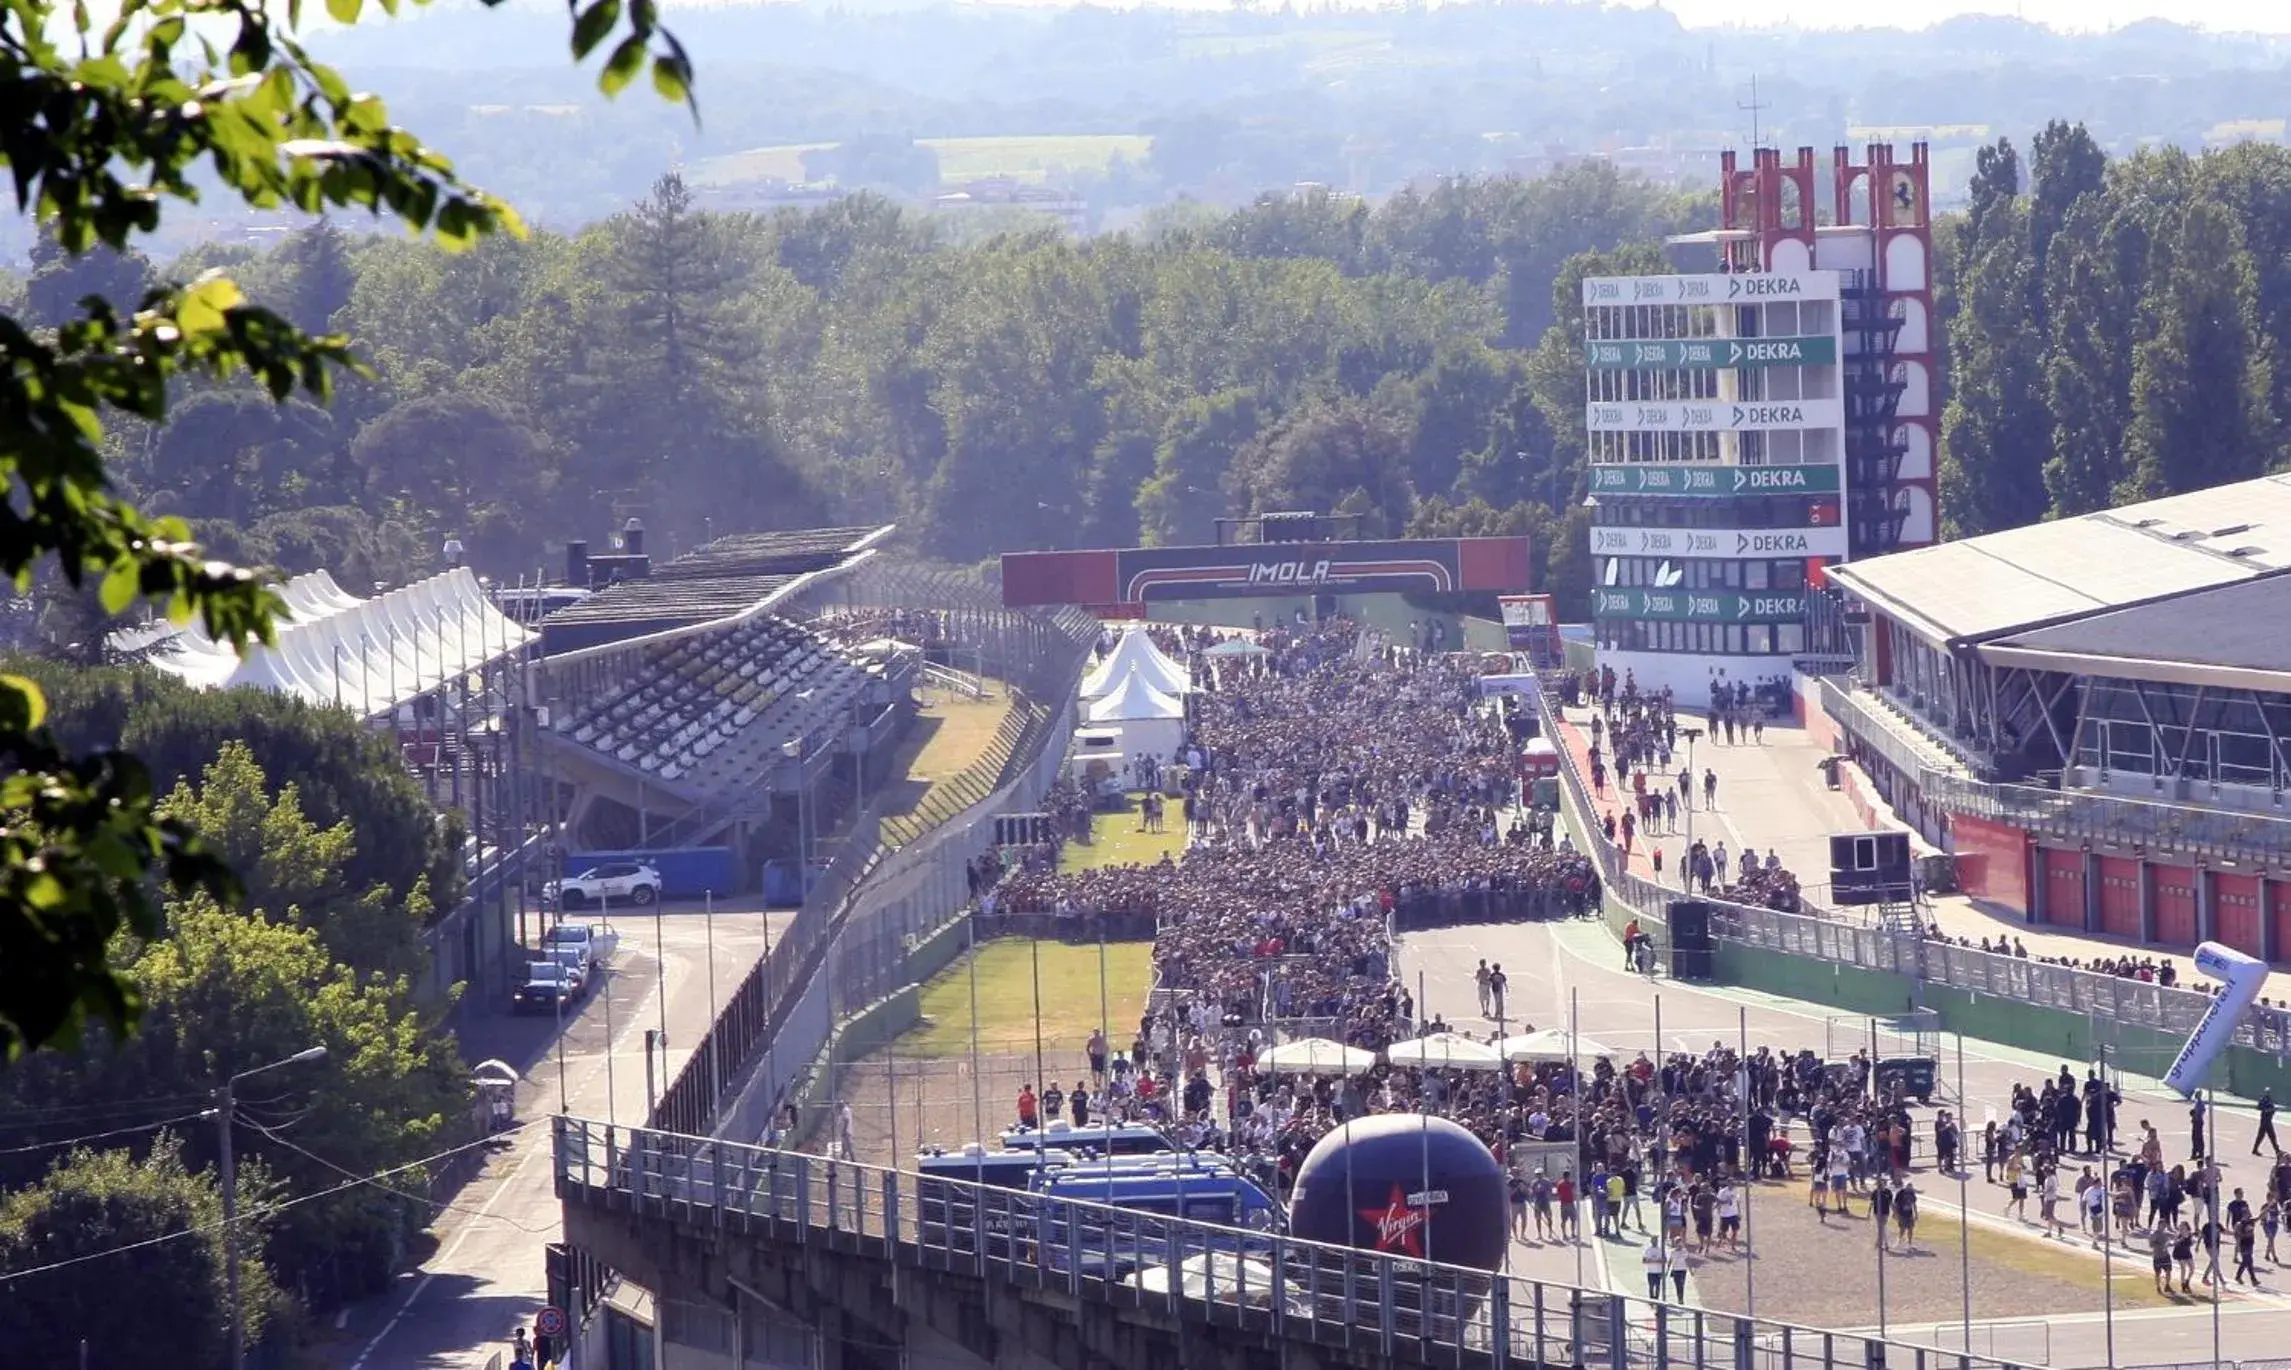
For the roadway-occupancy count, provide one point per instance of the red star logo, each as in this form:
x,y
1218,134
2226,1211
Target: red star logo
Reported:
x,y
1399,1227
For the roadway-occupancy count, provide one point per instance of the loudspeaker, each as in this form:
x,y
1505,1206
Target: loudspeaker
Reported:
x,y
1692,965
1690,926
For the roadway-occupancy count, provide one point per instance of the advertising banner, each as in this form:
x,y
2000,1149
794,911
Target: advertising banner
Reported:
x,y
2242,977
1740,287
1710,478
1711,606
1603,354
1719,542
1710,416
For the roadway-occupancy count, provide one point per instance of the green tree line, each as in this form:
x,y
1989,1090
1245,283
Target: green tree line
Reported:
x,y
859,362
2115,327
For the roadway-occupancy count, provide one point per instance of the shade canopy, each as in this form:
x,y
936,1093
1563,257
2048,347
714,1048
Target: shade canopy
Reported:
x,y
1445,1051
1133,699
1237,646
1551,1044
1135,654
1316,1056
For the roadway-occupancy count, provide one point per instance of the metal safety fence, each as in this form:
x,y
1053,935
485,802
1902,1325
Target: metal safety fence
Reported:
x,y
872,902
2106,998
1254,1279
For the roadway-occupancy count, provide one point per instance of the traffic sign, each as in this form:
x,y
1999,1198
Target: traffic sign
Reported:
x,y
550,1322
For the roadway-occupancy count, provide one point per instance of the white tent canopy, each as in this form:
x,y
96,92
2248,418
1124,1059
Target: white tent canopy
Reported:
x,y
1134,698
1316,1056
1134,653
1444,1051
367,655
1551,1044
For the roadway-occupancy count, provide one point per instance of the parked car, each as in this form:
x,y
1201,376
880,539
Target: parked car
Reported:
x,y
623,880
548,985
596,942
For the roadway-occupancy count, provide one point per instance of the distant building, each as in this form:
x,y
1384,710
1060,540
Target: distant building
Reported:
x,y
1751,426
1071,211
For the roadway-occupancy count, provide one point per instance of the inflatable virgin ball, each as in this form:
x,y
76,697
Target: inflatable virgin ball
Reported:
x,y
1403,1184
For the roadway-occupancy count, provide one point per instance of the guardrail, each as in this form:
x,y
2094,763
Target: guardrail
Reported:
x,y
2107,997
2066,815
859,918
1259,1280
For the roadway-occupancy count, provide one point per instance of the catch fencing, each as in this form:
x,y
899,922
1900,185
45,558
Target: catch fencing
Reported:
x,y
847,946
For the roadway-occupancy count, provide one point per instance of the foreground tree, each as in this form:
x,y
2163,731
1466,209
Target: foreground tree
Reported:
x,y
93,1201
112,113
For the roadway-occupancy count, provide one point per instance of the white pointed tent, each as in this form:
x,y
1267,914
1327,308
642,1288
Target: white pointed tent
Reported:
x,y
1150,720
1133,653
365,654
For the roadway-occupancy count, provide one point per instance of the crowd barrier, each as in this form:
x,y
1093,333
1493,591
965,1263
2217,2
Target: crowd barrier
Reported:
x,y
2103,998
1256,1280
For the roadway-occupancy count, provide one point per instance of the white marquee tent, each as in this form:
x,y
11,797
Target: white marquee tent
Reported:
x,y
1134,653
1150,721
364,654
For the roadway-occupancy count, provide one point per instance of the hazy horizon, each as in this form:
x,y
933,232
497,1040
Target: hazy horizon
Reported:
x,y
2069,16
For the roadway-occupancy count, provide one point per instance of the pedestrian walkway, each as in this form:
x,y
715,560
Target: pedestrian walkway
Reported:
x,y
1770,795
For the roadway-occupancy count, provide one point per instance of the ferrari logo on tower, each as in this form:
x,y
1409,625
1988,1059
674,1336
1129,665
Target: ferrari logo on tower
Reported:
x,y
1399,1226
1908,199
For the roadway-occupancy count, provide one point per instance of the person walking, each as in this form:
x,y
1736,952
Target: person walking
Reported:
x,y
1656,1260
1480,979
2266,1123
1498,982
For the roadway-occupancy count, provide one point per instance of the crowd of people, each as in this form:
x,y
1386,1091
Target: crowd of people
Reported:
x,y
1334,785
1635,739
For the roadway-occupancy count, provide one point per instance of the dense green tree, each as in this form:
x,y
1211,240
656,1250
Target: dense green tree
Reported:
x,y
1996,434
2201,383
2087,367
111,149
319,275
162,1295
2065,165
1341,455
1200,443
61,280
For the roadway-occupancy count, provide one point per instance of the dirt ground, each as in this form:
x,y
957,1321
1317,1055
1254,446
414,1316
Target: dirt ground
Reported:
x,y
931,1102
1806,1270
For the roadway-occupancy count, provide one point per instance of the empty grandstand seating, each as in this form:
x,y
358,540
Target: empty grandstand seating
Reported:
x,y
707,714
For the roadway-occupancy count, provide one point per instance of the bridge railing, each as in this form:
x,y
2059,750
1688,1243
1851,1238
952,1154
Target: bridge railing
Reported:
x,y
1257,1279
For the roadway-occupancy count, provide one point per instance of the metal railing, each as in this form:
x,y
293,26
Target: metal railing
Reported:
x,y
2115,998
859,918
2065,815
2112,998
1262,1281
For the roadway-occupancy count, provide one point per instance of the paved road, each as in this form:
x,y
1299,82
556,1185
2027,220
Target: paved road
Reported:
x,y
487,1274
1772,795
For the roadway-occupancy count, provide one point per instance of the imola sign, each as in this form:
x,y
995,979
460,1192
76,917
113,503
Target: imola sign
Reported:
x,y
1288,572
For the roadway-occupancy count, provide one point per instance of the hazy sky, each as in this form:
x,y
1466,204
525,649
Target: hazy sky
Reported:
x,y
2257,16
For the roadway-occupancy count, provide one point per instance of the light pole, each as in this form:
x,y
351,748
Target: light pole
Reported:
x,y
228,1164
1686,805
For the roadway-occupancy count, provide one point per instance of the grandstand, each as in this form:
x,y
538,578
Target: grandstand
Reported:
x,y
686,706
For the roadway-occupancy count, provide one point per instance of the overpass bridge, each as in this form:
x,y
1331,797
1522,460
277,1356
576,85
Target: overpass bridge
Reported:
x,y
896,1272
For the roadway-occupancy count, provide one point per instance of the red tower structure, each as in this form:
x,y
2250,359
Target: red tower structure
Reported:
x,y
1878,236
